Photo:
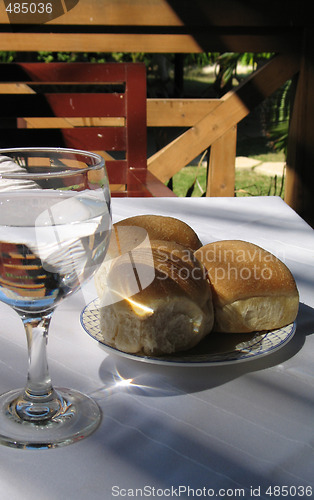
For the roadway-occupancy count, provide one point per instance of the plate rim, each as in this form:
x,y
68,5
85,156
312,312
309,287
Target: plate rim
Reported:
x,y
291,329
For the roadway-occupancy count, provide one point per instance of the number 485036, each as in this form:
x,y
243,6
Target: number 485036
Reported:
x,y
29,8
289,491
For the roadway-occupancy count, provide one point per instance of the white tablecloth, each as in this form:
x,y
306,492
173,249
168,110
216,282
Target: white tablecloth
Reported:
x,y
238,431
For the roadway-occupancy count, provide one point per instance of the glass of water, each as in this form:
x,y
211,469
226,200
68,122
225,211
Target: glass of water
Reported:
x,y
55,223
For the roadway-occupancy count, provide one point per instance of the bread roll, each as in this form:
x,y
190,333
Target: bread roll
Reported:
x,y
252,289
164,228
172,313
134,233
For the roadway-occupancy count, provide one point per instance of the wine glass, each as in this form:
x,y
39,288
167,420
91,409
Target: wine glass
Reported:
x,y
55,223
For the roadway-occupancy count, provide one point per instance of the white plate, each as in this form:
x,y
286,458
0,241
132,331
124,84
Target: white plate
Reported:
x,y
215,349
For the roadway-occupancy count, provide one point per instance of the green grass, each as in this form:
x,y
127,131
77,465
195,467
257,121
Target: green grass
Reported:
x,y
247,183
185,178
272,156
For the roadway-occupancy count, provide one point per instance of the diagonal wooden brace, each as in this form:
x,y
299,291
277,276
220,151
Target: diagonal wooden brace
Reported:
x,y
232,108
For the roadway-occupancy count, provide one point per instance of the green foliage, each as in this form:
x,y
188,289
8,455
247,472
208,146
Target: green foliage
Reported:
x,y
201,59
278,136
253,59
7,57
227,66
277,113
44,56
97,57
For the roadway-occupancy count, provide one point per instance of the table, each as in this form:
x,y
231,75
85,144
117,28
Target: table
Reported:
x,y
241,431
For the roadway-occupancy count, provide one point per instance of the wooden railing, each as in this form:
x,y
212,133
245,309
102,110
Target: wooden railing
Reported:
x,y
215,125
182,26
212,123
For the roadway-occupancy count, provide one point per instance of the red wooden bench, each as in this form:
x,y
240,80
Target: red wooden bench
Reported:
x,y
96,107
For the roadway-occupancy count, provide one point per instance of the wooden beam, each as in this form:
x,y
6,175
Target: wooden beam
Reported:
x,y
98,42
104,12
178,112
169,13
15,88
234,106
70,122
160,113
282,41
221,171
158,26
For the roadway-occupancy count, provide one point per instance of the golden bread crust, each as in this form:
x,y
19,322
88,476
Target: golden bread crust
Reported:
x,y
241,269
160,227
252,289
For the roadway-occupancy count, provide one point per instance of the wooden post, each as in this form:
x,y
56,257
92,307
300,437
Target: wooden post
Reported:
x,y
299,189
221,171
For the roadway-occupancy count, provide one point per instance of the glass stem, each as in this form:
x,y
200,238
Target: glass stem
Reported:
x,y
39,402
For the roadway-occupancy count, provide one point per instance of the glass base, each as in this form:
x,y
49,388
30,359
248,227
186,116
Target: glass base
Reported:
x,y
77,418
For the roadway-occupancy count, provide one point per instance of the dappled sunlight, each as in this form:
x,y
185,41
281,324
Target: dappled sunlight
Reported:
x,y
125,376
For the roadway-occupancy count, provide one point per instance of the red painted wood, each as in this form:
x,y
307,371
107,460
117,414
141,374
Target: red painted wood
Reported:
x,y
129,102
64,72
95,138
64,105
117,171
93,105
136,117
88,138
